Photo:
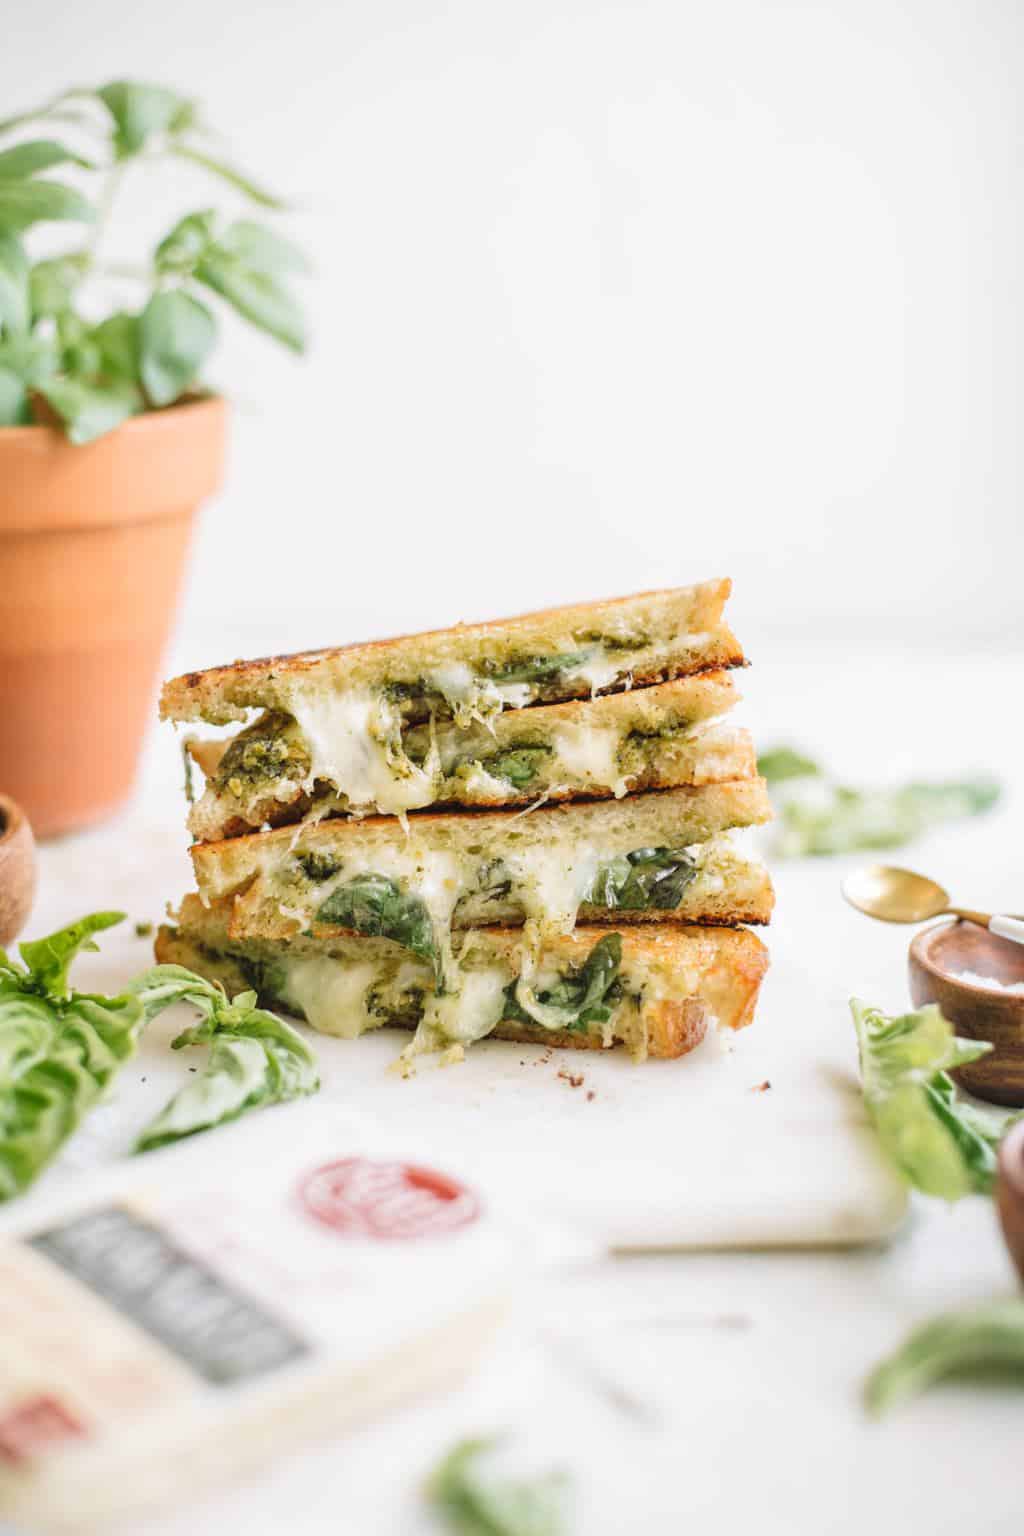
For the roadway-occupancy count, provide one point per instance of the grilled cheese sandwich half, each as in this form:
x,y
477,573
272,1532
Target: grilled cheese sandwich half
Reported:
x,y
340,715
666,856
650,738
655,991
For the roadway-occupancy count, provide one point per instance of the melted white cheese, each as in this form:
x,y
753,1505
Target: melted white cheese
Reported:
x,y
590,754
601,667
599,670
474,698
550,883
481,785
331,993
472,1011
354,740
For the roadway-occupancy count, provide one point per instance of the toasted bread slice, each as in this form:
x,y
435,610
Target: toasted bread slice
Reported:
x,y
671,983
652,857
557,654
650,738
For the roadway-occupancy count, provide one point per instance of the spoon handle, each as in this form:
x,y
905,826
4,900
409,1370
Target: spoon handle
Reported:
x,y
1008,928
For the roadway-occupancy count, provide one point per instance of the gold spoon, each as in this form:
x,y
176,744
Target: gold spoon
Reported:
x,y
899,896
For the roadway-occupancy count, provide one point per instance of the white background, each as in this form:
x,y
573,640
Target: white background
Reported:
x,y
608,296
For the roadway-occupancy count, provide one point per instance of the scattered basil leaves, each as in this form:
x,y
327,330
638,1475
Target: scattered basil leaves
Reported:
x,y
818,817
255,1058
470,1504
941,1143
984,1340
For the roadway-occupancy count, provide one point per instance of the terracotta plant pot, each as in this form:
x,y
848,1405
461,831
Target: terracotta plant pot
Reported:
x,y
17,871
92,549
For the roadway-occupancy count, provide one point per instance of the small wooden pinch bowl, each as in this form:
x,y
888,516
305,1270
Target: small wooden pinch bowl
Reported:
x,y
17,870
1010,1193
938,957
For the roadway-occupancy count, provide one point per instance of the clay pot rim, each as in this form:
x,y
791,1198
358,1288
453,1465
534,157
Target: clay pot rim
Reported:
x,y
135,425
161,464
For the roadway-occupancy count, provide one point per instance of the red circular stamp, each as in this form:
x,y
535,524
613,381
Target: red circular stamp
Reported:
x,y
392,1202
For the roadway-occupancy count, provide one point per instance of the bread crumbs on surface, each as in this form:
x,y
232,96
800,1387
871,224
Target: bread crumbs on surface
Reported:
x,y
761,1087
574,1079
591,1095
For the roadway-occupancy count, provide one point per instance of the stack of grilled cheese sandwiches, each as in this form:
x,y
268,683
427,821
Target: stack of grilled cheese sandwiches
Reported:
x,y
531,829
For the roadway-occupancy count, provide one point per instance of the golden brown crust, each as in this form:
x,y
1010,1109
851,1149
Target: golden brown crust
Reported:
x,y
725,967
673,1029
241,685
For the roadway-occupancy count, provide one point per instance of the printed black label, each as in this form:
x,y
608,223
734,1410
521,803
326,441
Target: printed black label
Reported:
x,y
224,1334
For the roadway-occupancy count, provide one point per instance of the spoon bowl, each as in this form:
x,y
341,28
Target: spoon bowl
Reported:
x,y
894,895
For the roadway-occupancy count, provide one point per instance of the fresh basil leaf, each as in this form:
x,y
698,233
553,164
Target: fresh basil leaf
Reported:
x,y
65,1056
14,285
647,877
257,296
59,1049
14,403
944,802
175,336
373,905
940,1144
821,819
180,250
255,1058
982,1340
470,1505
578,999
36,155
59,109
228,173
139,111
27,360
163,985
782,763
262,249
32,356
52,284
23,203
589,992
89,410
48,960
117,343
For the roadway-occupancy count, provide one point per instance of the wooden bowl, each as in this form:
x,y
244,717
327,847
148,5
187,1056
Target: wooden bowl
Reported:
x,y
937,957
17,870
1010,1193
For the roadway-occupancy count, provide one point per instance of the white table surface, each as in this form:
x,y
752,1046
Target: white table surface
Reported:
x,y
720,1389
